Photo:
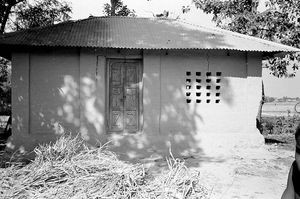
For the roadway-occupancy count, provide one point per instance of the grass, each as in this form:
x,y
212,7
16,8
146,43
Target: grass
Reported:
x,y
280,129
69,168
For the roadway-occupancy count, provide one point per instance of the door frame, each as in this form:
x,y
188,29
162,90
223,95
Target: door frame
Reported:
x,y
109,61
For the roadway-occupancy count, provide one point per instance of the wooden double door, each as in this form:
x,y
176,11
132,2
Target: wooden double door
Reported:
x,y
124,93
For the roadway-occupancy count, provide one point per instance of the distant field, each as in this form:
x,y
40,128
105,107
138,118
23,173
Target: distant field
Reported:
x,y
279,109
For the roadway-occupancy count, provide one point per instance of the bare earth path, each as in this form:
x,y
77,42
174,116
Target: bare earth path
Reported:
x,y
256,174
260,174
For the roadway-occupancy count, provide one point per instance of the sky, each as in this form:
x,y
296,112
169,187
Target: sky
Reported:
x,y
274,87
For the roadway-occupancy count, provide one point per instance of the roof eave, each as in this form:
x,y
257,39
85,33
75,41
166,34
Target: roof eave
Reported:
x,y
280,54
7,49
6,52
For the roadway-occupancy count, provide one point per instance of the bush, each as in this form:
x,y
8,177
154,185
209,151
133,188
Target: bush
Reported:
x,y
69,168
280,125
269,126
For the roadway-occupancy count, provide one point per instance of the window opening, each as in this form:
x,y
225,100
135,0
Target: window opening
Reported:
x,y
212,81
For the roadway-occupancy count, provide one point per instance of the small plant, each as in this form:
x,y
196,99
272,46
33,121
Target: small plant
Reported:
x,y
269,126
288,112
281,128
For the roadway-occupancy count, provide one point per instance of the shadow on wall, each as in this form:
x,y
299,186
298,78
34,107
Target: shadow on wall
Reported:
x,y
68,117
56,110
93,110
170,124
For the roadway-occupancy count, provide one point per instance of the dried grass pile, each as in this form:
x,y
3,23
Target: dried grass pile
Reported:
x,y
69,168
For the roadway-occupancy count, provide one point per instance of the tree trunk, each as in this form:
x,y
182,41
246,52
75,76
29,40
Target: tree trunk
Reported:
x,y
5,18
113,7
261,103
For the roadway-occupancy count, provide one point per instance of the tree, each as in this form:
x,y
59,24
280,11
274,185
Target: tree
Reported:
x,y
269,99
280,22
5,87
117,8
41,13
6,7
21,14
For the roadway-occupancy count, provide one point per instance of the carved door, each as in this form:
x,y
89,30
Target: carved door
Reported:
x,y
124,80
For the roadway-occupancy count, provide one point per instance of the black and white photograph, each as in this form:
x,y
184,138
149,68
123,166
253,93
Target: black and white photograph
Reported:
x,y
149,99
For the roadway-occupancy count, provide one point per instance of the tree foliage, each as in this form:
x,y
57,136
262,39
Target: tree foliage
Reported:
x,y
280,22
22,14
6,7
117,8
5,86
40,13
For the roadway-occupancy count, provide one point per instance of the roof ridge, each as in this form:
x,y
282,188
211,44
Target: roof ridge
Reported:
x,y
240,35
127,17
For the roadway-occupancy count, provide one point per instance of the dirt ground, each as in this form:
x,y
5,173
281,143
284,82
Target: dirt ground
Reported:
x,y
259,173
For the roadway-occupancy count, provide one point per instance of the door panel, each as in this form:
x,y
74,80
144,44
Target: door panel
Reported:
x,y
131,74
116,74
131,102
124,96
131,121
131,97
117,121
116,106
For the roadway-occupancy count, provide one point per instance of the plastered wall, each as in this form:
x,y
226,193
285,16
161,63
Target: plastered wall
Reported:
x,y
211,130
63,90
45,96
210,127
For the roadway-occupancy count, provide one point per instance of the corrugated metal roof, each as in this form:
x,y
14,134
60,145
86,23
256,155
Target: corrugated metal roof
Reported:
x,y
138,33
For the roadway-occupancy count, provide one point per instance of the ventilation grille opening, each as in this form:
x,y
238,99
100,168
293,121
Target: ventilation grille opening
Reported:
x,y
210,86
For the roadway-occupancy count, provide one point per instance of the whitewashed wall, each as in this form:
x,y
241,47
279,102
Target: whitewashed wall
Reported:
x,y
63,90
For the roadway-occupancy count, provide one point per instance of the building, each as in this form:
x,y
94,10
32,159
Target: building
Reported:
x,y
144,85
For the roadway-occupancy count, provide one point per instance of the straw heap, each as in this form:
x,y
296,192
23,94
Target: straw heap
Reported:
x,y
70,169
